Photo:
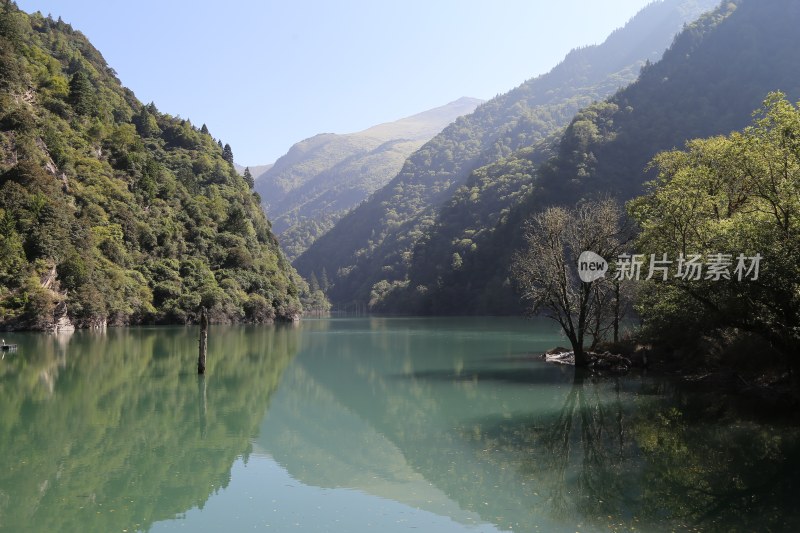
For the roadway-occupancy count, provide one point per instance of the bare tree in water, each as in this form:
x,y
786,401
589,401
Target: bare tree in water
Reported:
x,y
546,270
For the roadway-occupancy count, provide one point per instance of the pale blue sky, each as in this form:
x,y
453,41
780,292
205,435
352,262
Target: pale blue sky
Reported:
x,y
265,74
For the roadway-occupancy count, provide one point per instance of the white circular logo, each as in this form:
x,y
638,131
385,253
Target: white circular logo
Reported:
x,y
591,267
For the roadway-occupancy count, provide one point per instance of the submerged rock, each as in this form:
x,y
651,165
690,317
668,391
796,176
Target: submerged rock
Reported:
x,y
602,362
561,358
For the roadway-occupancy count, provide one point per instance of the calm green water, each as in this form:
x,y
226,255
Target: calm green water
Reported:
x,y
370,425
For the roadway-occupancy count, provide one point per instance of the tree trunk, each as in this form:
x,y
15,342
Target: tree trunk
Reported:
x,y
577,348
201,358
581,358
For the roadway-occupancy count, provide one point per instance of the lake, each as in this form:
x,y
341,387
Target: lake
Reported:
x,y
371,424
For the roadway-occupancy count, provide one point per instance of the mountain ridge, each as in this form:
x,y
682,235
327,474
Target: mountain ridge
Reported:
x,y
706,85
322,177
374,242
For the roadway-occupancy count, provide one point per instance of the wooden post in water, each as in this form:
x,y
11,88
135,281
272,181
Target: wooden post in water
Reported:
x,y
201,359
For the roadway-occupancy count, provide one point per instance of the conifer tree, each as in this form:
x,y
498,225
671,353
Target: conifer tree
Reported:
x,y
80,93
248,177
325,284
227,154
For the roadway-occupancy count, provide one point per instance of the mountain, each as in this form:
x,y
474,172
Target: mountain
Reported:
x,y
369,251
717,72
112,211
321,178
256,170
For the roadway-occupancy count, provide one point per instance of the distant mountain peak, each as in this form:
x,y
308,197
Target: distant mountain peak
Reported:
x,y
423,125
371,249
322,177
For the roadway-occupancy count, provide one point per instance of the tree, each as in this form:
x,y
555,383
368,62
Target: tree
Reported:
x,y
204,129
10,25
227,154
146,124
81,93
738,196
545,270
313,284
113,209
324,283
248,178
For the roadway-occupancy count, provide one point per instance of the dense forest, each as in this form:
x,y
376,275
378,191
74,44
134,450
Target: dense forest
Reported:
x,y
369,251
112,212
718,70
731,200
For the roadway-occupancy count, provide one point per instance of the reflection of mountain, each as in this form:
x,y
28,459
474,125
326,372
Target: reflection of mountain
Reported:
x,y
324,444
103,432
388,415
115,431
388,408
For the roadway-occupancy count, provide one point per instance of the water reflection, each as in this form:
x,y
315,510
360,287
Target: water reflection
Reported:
x,y
633,454
523,445
447,418
114,431
717,468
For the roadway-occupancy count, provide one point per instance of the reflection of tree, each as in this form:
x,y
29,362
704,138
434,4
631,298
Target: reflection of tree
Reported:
x,y
127,434
712,469
667,460
584,451
530,447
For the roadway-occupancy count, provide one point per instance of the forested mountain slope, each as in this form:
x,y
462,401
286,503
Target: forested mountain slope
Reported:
x,y
321,178
113,212
373,244
709,82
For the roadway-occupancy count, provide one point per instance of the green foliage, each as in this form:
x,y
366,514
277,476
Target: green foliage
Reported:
x,y
732,195
10,41
464,226
146,123
386,236
707,84
248,178
112,211
81,93
227,154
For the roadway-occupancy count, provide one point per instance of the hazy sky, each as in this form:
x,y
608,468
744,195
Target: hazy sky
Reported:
x,y
265,74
